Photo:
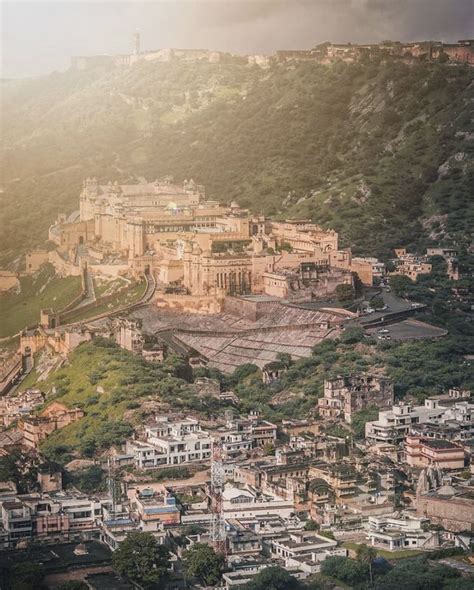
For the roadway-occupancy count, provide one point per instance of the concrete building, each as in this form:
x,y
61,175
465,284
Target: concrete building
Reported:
x,y
424,452
248,502
154,507
17,521
393,425
259,432
171,442
401,532
305,550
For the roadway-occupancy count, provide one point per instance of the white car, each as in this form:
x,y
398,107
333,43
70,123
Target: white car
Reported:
x,y
369,310
383,331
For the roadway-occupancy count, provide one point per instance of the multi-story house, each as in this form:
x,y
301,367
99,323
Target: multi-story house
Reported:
x,y
260,432
423,452
17,521
154,508
401,532
171,443
248,502
394,425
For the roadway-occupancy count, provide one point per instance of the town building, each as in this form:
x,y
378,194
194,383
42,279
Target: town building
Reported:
x,y
393,425
305,550
170,442
343,396
55,416
401,532
155,508
249,502
424,452
410,265
14,407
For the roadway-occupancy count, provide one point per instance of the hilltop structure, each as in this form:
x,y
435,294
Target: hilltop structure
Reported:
x,y
199,250
325,53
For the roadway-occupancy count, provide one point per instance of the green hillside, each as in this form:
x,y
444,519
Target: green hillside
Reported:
x,y
354,147
41,290
110,385
118,390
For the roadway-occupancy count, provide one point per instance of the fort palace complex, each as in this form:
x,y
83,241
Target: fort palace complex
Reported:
x,y
198,250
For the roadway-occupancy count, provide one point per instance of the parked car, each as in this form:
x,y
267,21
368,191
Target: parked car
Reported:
x,y
383,331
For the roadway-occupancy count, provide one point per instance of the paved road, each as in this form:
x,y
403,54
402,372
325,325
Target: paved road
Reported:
x,y
395,305
410,329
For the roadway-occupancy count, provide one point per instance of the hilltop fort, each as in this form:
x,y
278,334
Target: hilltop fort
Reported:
x,y
325,53
199,250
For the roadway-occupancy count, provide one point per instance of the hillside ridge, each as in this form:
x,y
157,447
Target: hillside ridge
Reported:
x,y
379,149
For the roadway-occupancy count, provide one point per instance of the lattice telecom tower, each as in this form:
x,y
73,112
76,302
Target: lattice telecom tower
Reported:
x,y
218,533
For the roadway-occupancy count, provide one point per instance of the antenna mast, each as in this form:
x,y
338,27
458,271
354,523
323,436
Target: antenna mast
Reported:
x,y
136,42
218,533
113,487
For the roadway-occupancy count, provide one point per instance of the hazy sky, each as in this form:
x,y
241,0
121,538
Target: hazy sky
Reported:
x,y
39,36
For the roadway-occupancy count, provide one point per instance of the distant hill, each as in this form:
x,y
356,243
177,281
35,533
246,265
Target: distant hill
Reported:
x,y
381,152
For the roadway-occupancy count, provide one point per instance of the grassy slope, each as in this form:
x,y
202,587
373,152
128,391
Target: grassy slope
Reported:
x,y
297,140
125,378
38,291
131,295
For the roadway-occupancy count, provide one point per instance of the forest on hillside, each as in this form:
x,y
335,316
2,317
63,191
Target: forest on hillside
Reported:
x,y
382,152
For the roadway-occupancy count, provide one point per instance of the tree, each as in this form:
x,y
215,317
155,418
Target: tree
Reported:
x,y
90,479
367,555
310,525
377,302
284,358
352,335
142,559
204,564
26,576
345,569
285,247
344,293
273,578
400,284
21,468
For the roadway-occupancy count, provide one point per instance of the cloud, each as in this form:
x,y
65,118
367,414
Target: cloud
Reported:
x,y
40,35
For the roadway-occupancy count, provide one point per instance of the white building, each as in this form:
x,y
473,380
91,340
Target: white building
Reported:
x,y
248,502
171,443
401,532
393,425
461,415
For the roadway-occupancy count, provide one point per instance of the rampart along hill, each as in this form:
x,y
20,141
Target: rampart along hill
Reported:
x,y
380,152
